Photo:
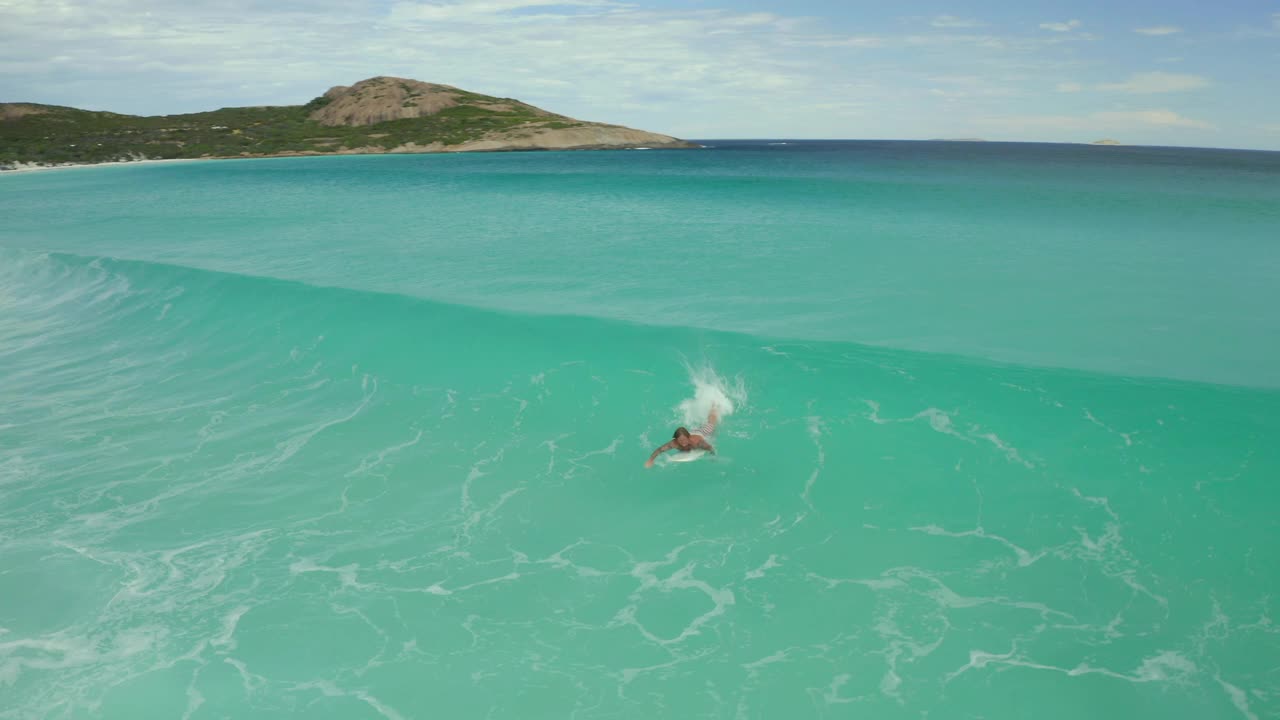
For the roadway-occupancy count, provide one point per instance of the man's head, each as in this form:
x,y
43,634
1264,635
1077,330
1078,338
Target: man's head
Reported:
x,y
681,436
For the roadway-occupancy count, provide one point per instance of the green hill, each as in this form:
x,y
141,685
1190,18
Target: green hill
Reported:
x,y
373,116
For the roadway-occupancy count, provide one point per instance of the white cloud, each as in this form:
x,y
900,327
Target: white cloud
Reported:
x,y
1107,123
1149,83
951,21
854,41
965,87
1272,128
1164,118
1269,27
752,19
454,11
1158,30
944,42
1067,26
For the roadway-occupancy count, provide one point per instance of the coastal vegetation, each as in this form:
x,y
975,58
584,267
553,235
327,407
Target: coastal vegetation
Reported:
x,y
373,116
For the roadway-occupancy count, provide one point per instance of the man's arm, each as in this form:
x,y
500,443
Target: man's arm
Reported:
x,y
670,444
702,443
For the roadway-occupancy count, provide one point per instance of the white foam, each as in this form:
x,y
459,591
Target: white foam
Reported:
x,y
226,639
1025,558
831,695
758,573
710,390
1238,698
815,432
682,579
754,667
1166,666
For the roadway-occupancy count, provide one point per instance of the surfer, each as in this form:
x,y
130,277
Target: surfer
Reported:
x,y
684,441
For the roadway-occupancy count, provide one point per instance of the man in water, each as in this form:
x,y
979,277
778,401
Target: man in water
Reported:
x,y
684,441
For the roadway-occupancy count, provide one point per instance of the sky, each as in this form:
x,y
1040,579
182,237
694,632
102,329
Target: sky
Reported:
x,y
1142,72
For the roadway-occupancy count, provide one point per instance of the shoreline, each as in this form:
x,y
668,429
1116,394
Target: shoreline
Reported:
x,y
27,168
23,168
71,166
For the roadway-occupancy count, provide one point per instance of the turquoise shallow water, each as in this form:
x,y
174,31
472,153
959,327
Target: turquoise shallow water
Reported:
x,y
363,437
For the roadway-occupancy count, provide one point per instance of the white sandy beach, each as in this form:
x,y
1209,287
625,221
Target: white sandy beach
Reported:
x,y
35,167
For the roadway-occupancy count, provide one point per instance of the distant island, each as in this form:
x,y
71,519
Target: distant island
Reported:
x,y
1107,141
378,115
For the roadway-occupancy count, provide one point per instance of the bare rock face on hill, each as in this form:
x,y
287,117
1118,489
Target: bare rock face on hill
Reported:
x,y
587,136
13,111
381,99
511,124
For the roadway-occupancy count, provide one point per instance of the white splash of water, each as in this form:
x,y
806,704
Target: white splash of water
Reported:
x,y
710,390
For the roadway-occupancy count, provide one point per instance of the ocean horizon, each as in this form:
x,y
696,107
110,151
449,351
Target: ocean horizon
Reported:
x,y
704,143
365,435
